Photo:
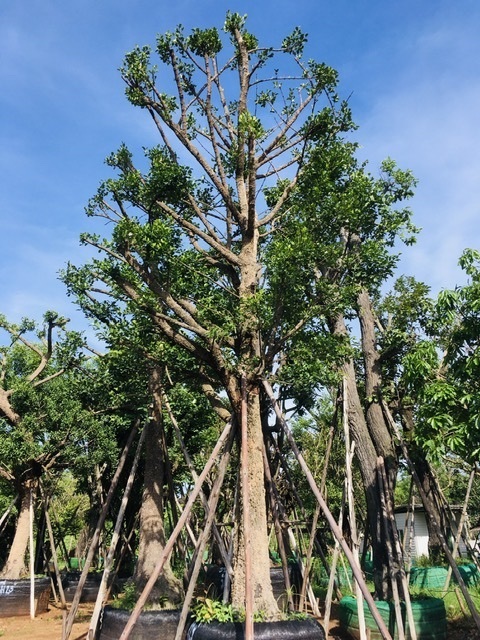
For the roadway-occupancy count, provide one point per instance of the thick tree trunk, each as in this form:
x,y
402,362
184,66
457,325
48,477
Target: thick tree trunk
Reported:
x,y
366,455
168,589
377,424
15,567
261,586
422,467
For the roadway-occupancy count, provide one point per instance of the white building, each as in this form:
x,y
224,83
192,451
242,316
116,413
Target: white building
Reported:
x,y
419,532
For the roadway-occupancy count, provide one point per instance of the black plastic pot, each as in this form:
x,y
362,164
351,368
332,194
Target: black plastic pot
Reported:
x,y
15,597
428,614
151,625
308,629
90,588
215,580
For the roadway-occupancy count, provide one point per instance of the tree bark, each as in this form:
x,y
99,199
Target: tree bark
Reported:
x,y
366,454
168,588
15,567
263,597
433,512
376,422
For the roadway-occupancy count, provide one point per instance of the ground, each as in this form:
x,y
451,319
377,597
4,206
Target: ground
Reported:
x,y
48,626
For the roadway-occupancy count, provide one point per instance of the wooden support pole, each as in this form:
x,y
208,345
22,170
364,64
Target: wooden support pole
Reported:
x,y
463,518
397,570
329,517
349,452
245,485
308,558
333,568
92,629
435,524
236,498
96,536
398,553
53,549
189,461
278,528
294,548
392,562
32,557
7,511
123,551
409,532
445,506
175,533
204,537
316,515
298,499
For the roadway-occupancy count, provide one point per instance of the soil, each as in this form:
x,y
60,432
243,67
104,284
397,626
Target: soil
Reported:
x,y
48,626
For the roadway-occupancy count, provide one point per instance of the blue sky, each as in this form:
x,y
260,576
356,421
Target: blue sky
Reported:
x,y
412,67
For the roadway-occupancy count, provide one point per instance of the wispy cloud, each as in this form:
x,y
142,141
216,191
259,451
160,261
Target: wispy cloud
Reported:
x,y
426,118
414,72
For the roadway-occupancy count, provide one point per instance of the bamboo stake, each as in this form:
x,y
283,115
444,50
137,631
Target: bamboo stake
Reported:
x,y
316,515
409,528
175,533
236,497
7,511
435,524
123,551
453,523
204,537
188,528
388,544
53,549
397,548
308,558
188,460
311,596
246,514
298,554
318,546
96,536
349,452
463,517
277,528
32,558
329,517
115,537
333,568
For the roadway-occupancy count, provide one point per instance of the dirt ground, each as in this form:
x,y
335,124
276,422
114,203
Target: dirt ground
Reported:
x,y
48,626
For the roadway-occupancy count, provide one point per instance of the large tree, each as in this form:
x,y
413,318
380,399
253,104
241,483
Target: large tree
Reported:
x,y
190,222
336,249
39,415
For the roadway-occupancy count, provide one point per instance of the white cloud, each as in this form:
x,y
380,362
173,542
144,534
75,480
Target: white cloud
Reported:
x,y
427,120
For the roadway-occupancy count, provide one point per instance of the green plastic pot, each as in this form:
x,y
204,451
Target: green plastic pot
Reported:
x,y
432,578
428,614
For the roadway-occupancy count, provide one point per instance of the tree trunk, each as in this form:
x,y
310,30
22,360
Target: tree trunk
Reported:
x,y
168,589
15,567
427,481
261,586
366,454
376,422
